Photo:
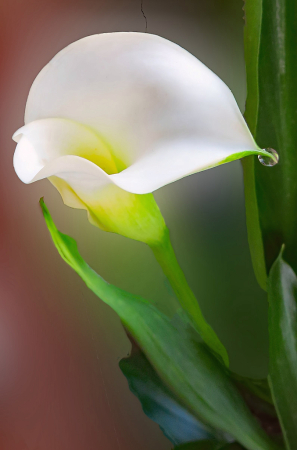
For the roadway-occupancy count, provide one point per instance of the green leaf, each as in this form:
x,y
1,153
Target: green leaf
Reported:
x,y
160,404
252,36
253,222
252,33
187,367
271,192
282,294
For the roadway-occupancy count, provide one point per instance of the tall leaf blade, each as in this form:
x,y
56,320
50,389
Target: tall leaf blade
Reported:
x,y
252,35
282,294
185,366
271,60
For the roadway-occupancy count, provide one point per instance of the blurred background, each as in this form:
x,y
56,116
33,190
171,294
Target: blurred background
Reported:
x,y
60,384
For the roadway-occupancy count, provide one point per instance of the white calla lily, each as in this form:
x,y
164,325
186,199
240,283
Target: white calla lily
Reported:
x,y
116,115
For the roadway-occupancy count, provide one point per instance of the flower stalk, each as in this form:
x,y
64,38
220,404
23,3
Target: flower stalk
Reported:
x,y
165,255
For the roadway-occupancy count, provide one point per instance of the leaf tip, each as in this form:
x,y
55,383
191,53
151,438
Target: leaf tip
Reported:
x,y
43,206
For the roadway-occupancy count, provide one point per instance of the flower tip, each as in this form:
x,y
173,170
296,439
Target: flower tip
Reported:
x,y
43,207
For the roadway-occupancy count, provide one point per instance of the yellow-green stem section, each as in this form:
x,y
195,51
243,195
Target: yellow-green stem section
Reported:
x,y
165,256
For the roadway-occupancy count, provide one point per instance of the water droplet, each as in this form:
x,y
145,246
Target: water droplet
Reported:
x,y
266,160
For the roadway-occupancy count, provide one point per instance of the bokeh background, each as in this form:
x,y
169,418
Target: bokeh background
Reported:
x,y
60,384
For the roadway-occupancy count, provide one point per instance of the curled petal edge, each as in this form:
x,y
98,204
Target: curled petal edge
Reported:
x,y
144,176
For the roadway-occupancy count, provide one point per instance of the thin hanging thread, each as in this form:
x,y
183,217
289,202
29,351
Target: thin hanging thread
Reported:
x,y
145,18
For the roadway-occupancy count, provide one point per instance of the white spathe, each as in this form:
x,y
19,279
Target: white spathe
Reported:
x,y
128,110
162,112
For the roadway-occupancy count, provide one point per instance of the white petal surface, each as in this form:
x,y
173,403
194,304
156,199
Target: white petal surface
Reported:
x,y
43,141
81,175
162,112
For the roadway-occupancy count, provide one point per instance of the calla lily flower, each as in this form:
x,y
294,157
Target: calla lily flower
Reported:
x,y
115,116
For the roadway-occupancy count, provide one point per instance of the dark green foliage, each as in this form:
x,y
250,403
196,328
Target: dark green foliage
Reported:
x,y
271,193
183,363
282,294
160,404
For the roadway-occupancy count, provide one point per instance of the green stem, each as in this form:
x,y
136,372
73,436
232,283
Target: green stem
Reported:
x,y
165,256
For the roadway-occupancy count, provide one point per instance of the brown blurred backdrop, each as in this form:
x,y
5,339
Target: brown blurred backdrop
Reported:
x,y
60,385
